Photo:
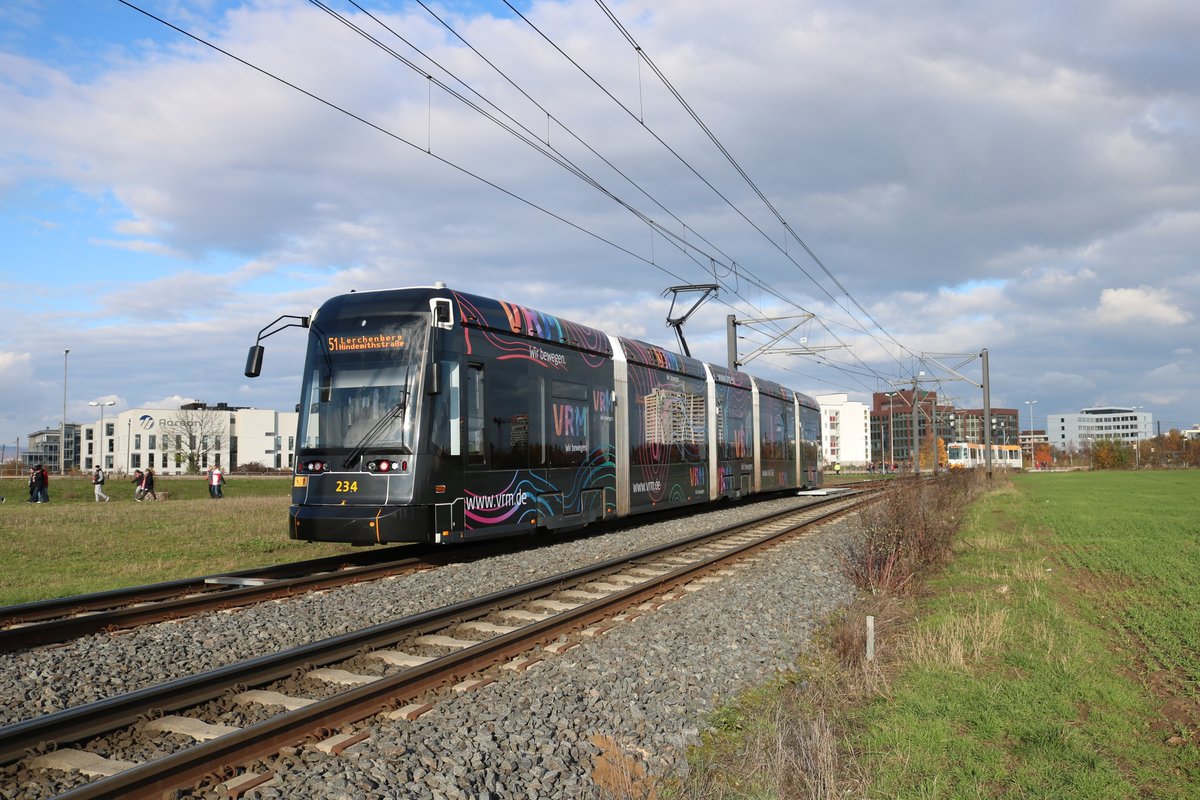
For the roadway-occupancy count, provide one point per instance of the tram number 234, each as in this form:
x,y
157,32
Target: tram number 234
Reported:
x,y
344,487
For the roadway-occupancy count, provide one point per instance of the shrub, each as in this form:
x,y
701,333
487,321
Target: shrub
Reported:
x,y
908,531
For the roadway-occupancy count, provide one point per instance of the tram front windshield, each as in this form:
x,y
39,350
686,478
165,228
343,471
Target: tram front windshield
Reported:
x,y
362,385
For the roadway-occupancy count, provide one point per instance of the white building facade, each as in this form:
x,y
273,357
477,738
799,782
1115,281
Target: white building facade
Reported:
x,y
188,440
845,430
1072,431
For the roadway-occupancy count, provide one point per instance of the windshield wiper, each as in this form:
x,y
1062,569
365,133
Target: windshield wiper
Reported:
x,y
370,436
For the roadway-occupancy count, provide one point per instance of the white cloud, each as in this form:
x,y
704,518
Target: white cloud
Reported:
x,y
1143,304
1027,169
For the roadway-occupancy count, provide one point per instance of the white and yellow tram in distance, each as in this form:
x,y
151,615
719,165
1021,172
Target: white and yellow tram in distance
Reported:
x,y
966,455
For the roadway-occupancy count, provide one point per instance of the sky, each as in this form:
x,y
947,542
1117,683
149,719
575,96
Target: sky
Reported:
x,y
899,185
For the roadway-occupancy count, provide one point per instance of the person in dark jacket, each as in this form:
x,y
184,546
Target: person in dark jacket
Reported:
x,y
39,485
148,484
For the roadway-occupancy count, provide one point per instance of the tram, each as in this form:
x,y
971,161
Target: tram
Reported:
x,y
432,415
965,455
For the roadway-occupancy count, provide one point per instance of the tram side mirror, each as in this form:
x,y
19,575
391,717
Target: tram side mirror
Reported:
x,y
433,379
254,361
441,313
326,388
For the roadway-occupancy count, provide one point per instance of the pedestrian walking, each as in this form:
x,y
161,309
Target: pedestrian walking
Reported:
x,y
137,485
216,479
148,484
98,485
39,485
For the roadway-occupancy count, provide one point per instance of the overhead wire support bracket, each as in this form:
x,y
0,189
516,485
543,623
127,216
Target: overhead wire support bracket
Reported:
x,y
805,349
708,289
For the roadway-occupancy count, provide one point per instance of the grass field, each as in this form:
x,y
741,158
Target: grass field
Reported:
x,y
74,545
1057,656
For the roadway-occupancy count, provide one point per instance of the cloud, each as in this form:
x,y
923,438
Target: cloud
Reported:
x,y
138,246
1143,304
969,191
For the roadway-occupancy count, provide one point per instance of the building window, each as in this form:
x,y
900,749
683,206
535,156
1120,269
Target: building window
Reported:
x,y
153,440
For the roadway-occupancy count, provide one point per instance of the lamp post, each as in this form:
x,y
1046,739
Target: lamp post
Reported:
x,y
1137,437
1031,404
102,406
62,441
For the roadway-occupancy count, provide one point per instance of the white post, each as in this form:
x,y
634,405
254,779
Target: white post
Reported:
x,y
870,638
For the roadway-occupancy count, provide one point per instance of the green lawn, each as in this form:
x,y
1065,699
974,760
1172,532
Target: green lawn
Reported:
x,y
74,545
1059,655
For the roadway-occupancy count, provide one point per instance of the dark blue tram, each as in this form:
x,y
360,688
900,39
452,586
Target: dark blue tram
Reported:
x,y
431,415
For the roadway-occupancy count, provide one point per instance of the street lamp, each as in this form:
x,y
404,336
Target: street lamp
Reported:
x,y
62,450
102,406
1031,404
1137,437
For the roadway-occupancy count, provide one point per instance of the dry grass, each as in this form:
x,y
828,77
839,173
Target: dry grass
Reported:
x,y
787,742
959,641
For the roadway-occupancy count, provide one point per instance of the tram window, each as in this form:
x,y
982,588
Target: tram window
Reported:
x,y
569,391
507,423
446,427
475,452
567,425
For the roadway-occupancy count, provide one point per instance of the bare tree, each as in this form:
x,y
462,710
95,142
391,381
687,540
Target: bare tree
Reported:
x,y
195,433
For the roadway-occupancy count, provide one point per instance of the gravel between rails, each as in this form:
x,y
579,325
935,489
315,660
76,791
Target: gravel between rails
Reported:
x,y
647,685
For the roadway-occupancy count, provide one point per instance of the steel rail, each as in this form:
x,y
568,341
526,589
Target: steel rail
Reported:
x,y
56,620
93,719
65,628
310,575
265,738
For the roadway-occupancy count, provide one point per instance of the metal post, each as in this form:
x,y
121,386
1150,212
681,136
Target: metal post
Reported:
x,y
731,340
1137,437
916,446
933,426
62,441
987,415
103,439
891,432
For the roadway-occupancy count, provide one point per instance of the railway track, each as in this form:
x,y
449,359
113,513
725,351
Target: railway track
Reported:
x,y
61,619
385,669
57,620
